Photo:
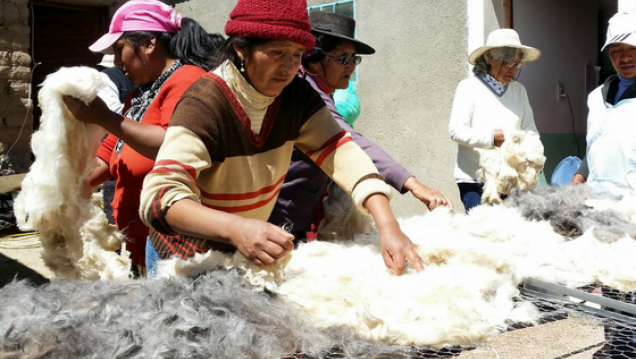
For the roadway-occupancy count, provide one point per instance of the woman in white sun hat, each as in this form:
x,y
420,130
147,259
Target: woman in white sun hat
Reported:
x,y
610,162
487,104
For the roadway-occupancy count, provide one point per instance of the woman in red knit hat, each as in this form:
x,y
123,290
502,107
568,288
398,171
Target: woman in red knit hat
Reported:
x,y
227,149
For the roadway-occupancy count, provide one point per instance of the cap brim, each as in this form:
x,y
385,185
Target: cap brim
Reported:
x,y
360,47
530,53
631,41
105,43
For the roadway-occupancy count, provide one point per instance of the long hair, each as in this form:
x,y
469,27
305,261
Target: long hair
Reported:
x,y
191,44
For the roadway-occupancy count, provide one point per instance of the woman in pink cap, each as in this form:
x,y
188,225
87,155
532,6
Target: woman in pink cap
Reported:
x,y
229,143
163,53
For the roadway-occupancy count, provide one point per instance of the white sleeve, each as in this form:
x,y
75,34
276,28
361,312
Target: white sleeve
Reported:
x,y
460,126
109,93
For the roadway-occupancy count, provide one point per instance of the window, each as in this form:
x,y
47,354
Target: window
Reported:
x,y
344,7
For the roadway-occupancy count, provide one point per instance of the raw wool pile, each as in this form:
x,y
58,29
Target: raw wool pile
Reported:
x,y
217,315
342,219
574,209
55,198
516,164
468,290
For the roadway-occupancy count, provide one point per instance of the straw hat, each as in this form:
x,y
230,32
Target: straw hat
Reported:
x,y
505,38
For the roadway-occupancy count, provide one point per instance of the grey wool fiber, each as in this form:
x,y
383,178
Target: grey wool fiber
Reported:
x,y
566,210
216,315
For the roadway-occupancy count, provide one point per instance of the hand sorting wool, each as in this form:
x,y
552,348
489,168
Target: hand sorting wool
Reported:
x,y
395,246
498,138
261,242
429,196
96,112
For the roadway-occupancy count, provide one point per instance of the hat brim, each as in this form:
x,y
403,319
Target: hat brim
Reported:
x,y
105,43
360,47
530,53
631,41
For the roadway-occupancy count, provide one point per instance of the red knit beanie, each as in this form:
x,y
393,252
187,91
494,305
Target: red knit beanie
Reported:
x,y
272,19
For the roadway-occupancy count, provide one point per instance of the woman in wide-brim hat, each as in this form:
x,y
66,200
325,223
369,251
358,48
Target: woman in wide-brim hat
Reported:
x,y
228,147
326,68
487,104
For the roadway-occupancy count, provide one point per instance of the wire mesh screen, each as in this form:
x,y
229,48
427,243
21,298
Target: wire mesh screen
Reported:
x,y
574,324
570,328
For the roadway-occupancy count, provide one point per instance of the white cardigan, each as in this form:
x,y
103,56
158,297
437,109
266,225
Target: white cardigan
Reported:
x,y
477,112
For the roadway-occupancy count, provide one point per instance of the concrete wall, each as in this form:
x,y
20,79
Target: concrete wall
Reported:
x,y
406,88
211,17
15,71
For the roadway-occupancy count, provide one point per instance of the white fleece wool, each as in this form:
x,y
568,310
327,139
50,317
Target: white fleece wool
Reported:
x,y
625,206
55,198
467,292
342,219
516,164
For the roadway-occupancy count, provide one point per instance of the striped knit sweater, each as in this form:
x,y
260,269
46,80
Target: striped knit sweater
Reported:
x,y
211,155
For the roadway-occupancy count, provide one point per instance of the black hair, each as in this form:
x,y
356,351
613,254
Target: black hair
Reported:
x,y
227,51
324,44
217,42
191,44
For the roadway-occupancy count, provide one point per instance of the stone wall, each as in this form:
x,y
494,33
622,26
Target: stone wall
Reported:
x,y
15,72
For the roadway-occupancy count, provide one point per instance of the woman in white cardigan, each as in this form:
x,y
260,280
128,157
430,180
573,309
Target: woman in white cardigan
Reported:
x,y
488,104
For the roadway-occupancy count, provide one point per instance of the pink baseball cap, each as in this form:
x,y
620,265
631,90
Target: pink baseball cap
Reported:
x,y
138,15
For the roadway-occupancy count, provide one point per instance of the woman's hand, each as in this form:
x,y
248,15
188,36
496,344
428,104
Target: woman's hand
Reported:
x,y
498,139
261,242
96,112
429,196
578,178
395,246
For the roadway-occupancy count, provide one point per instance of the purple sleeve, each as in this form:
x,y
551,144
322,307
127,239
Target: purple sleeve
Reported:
x,y
394,173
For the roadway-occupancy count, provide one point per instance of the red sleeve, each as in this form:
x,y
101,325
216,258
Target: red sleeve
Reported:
x,y
106,148
177,86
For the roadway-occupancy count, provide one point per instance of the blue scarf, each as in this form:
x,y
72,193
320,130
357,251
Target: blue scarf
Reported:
x,y
497,87
623,85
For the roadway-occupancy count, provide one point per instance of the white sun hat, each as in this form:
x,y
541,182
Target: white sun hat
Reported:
x,y
108,61
621,29
505,38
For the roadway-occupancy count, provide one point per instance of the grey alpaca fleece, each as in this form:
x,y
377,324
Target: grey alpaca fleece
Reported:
x,y
564,207
213,316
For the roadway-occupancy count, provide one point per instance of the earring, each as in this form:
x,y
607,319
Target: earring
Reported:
x,y
242,66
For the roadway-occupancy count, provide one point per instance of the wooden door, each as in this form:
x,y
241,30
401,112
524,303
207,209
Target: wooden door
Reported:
x,y
61,35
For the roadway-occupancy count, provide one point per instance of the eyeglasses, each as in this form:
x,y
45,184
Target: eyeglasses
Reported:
x,y
346,59
512,65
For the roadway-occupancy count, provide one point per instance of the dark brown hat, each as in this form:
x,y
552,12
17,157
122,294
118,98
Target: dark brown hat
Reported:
x,y
340,26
